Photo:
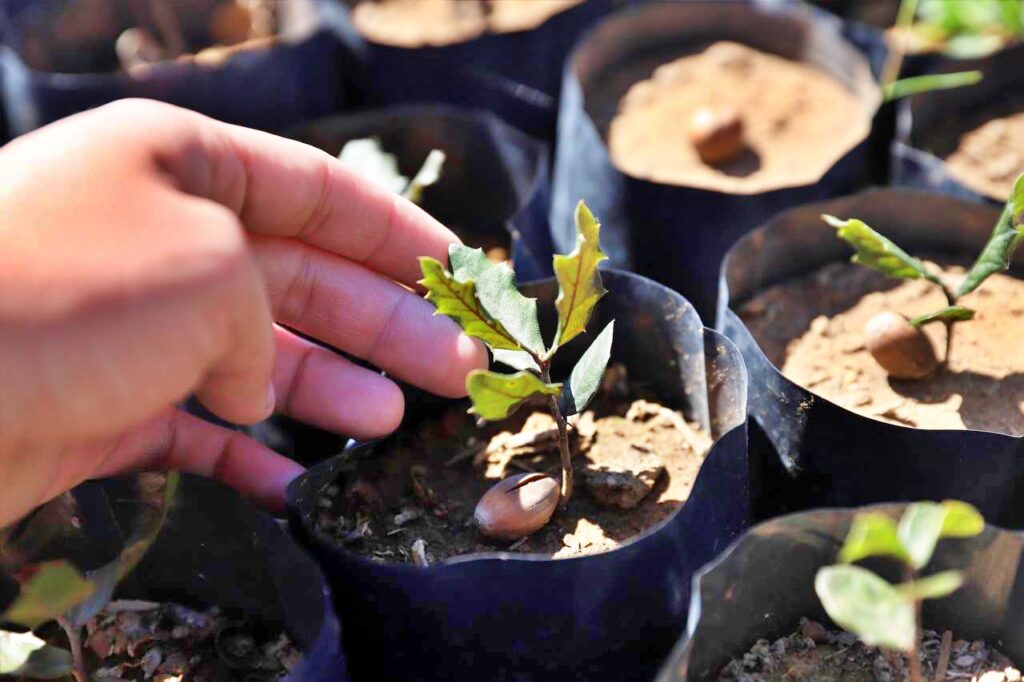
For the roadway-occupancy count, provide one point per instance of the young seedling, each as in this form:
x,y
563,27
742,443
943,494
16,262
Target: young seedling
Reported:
x,y
893,87
961,30
878,612
55,590
898,344
367,157
482,297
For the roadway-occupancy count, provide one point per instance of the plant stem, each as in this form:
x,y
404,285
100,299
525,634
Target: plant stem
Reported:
x,y
563,439
951,301
80,672
894,60
914,656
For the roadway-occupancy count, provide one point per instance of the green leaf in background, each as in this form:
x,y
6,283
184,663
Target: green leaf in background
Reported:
x,y
428,174
496,396
962,520
579,280
22,654
939,81
368,158
496,290
872,534
458,300
516,359
934,586
1004,240
957,313
877,252
866,605
586,376
51,589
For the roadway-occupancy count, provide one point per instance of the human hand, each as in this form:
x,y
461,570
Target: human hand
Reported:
x,y
145,253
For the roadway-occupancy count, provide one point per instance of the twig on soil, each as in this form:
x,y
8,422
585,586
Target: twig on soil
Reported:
x,y
943,664
698,442
518,543
419,553
526,439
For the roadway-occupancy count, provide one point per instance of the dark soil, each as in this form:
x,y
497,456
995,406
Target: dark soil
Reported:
x,y
426,485
812,328
815,654
139,640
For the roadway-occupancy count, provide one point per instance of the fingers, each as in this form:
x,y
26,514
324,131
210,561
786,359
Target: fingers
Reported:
x,y
285,188
175,440
367,315
319,387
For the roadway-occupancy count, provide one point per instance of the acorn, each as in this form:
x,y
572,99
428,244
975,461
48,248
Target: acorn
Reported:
x,y
716,134
517,506
899,347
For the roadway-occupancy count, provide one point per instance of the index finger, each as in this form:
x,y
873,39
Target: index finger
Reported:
x,y
286,188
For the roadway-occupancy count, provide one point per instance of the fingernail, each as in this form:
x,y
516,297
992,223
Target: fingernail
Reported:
x,y
271,399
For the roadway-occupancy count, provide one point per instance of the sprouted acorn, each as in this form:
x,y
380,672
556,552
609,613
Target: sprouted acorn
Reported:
x,y
898,350
517,506
716,134
903,350
481,296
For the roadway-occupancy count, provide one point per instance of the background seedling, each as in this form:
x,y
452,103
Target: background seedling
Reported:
x,y
960,29
482,297
880,613
877,252
367,157
55,590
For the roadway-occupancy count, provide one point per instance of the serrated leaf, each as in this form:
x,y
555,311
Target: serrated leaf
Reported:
x,y
939,81
368,158
497,293
1004,240
872,534
458,300
579,280
53,588
866,605
496,396
586,376
956,313
934,586
22,654
878,252
427,175
516,359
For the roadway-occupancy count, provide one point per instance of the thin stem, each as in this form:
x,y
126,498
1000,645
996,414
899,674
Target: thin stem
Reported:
x,y
74,636
914,656
563,439
894,60
951,301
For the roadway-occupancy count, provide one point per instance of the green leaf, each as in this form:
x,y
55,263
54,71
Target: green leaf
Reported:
x,y
458,300
52,588
427,175
579,280
877,252
1004,240
872,534
516,359
586,376
497,293
866,605
496,396
368,158
962,520
934,586
22,654
940,81
951,312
